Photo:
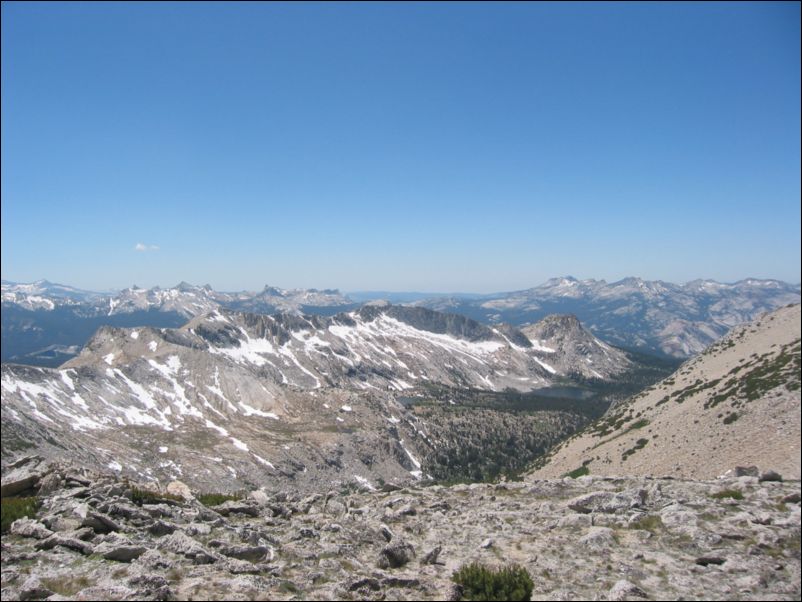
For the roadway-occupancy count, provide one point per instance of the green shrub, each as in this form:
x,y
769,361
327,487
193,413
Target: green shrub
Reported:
x,y
17,507
146,496
214,499
578,472
482,583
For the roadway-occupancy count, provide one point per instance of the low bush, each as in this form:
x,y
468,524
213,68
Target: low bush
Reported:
x,y
146,496
17,507
578,472
214,499
479,582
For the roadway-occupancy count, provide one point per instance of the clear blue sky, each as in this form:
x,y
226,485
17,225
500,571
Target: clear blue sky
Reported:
x,y
436,147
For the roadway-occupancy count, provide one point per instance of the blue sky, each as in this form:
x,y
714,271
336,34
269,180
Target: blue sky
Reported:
x,y
436,147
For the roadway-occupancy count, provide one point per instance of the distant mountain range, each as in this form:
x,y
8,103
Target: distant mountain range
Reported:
x,y
46,324
651,316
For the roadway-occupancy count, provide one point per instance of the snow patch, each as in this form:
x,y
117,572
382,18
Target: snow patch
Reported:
x,y
239,444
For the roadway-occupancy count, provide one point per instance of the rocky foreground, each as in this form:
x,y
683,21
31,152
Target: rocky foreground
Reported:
x,y
97,537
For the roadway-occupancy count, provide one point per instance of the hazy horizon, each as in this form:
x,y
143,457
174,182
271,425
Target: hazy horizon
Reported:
x,y
478,147
363,291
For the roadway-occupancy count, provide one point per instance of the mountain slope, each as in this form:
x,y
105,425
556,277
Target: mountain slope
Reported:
x,y
738,403
575,351
237,398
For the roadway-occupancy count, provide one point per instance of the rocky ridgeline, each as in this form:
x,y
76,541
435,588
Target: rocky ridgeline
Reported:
x,y
98,537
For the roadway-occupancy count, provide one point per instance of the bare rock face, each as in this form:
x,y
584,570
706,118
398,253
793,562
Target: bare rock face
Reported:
x,y
688,542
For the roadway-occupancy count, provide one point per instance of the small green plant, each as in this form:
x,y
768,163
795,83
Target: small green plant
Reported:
x,y
730,418
17,507
215,499
479,582
728,493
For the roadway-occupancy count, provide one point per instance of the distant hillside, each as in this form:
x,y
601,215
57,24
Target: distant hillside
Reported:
x,y
738,403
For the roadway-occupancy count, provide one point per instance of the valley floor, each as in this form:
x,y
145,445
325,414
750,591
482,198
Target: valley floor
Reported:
x,y
589,538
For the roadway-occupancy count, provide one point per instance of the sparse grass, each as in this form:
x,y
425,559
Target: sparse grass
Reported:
x,y
728,493
120,573
67,585
652,523
17,507
288,587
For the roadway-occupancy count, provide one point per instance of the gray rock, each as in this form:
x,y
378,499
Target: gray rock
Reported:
x,y
33,589
27,527
180,543
245,507
20,480
432,556
100,523
153,560
746,471
259,496
624,590
770,475
708,560
386,532
158,510
161,527
180,489
575,521
150,586
395,555
50,483
364,584
195,529
127,511
57,539
598,537
60,523
607,502
249,553
121,553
